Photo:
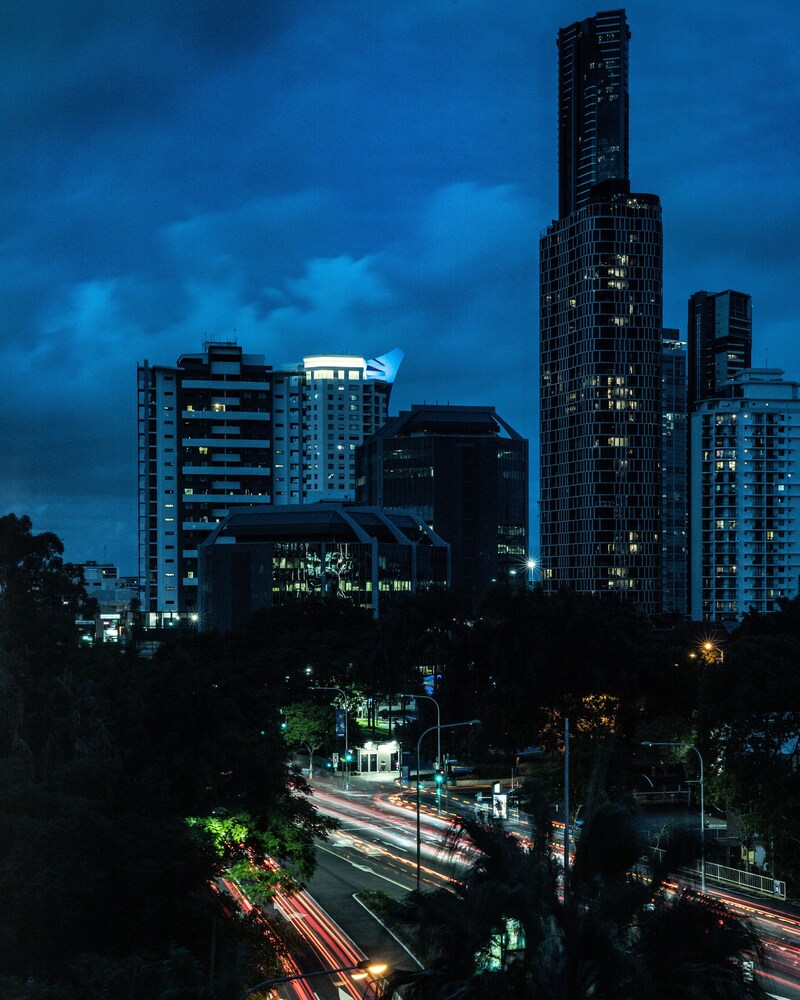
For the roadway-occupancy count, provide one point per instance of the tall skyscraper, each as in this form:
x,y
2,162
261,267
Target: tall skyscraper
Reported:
x,y
600,347
592,106
464,470
745,459
222,431
720,337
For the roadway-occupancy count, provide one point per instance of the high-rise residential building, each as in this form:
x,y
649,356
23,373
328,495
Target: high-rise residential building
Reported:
x,y
719,335
745,505
464,470
600,344
222,430
674,473
592,106
323,409
720,338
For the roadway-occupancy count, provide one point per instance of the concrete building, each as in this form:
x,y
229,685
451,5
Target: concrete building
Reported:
x,y
275,555
745,504
465,471
115,596
222,430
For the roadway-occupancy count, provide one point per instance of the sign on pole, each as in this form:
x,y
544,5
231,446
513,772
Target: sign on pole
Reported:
x,y
340,722
499,805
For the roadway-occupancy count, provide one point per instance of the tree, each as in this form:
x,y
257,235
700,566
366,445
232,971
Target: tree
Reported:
x,y
750,718
111,769
308,726
505,931
40,594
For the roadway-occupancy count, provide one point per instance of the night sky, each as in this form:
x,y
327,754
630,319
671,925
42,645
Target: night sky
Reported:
x,y
343,176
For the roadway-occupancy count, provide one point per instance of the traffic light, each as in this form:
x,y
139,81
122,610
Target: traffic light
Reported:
x,y
438,776
348,756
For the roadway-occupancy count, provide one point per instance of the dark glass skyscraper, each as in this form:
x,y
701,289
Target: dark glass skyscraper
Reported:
x,y
720,336
600,339
592,106
465,471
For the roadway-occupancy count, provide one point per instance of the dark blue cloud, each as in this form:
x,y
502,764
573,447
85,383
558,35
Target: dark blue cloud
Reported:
x,y
342,177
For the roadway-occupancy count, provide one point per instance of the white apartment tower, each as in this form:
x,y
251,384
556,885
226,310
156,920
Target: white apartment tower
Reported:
x,y
745,498
222,431
323,409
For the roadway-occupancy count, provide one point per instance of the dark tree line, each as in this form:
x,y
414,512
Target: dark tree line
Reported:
x,y
123,783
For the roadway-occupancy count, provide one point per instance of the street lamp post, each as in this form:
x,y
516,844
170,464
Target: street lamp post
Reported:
x,y
691,746
346,741
430,729
364,968
438,737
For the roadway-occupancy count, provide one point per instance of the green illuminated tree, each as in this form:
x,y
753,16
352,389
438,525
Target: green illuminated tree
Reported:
x,y
308,726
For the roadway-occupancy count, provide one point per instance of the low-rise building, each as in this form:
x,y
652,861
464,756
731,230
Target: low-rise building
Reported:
x,y
270,556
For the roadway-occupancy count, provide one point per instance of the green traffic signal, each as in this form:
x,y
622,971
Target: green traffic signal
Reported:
x,y
439,777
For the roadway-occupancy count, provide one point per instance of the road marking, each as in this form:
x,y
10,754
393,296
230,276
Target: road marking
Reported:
x,y
362,868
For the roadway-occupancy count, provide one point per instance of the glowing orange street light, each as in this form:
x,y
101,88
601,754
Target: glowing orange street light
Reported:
x,y
359,971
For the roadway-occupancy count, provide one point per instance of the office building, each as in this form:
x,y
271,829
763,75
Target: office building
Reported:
x,y
278,555
720,339
745,505
223,430
674,473
600,339
465,471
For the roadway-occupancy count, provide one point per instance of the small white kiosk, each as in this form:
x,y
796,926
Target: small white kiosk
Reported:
x,y
378,760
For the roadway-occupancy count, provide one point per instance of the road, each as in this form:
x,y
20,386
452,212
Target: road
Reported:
x,y
376,847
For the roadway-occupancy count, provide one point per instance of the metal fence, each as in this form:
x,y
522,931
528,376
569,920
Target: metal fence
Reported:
x,y
764,885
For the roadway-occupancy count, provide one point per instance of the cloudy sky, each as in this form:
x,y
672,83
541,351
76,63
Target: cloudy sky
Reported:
x,y
342,176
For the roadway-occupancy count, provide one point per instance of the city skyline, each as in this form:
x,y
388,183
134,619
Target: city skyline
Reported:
x,y
311,179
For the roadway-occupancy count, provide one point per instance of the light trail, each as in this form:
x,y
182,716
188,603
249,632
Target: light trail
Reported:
x,y
299,987
778,930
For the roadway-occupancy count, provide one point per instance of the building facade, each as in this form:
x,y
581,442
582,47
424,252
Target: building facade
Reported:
x,y
720,340
745,460
600,324
465,471
674,474
223,430
277,555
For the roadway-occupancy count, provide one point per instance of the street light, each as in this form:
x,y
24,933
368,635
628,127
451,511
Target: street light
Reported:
x,y
438,735
430,729
691,746
361,970
710,648
346,741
